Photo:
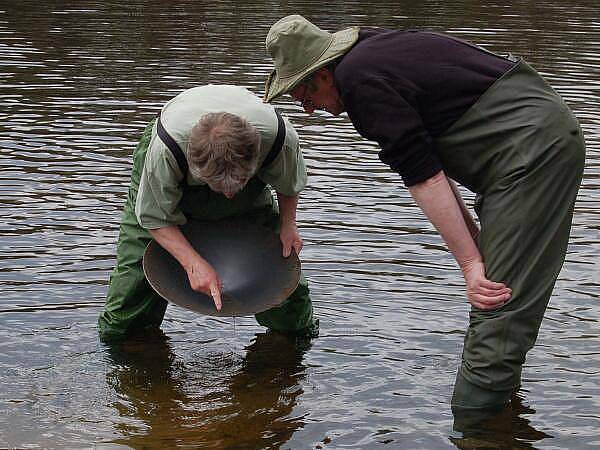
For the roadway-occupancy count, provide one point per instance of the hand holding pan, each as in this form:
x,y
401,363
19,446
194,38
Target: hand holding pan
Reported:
x,y
247,258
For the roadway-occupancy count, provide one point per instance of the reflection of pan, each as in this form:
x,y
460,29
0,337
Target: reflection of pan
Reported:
x,y
247,257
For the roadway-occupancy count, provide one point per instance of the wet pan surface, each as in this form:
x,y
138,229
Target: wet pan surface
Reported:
x,y
248,259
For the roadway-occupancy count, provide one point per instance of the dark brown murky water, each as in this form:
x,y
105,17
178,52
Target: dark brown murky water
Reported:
x,y
78,82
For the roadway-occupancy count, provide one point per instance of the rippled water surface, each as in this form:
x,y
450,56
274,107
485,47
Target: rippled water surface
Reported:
x,y
79,81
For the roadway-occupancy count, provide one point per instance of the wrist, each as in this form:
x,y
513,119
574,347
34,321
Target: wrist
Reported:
x,y
288,222
467,265
193,262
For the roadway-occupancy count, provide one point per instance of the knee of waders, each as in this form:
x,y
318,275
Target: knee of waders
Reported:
x,y
113,333
108,331
294,316
120,324
469,399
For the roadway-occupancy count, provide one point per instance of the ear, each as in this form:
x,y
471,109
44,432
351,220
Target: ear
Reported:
x,y
325,74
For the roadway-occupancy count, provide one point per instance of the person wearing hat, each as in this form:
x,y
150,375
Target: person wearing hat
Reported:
x,y
212,154
443,109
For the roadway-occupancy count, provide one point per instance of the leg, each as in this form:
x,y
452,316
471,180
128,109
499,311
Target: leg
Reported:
x,y
131,304
294,316
525,231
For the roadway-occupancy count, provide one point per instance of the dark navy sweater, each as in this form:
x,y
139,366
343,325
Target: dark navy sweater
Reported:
x,y
402,89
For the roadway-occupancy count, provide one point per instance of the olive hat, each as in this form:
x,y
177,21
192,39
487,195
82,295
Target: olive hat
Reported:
x,y
299,48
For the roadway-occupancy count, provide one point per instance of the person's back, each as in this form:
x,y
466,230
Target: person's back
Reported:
x,y
437,76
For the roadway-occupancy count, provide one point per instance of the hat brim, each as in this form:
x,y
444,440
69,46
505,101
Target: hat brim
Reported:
x,y
342,41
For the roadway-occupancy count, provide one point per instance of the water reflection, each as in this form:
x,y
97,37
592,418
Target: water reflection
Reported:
x,y
79,82
217,401
508,428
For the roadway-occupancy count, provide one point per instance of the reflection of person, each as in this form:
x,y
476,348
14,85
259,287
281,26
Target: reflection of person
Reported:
x,y
235,146
508,428
442,109
229,403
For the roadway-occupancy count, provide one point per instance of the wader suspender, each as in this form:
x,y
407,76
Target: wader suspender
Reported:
x,y
173,146
182,161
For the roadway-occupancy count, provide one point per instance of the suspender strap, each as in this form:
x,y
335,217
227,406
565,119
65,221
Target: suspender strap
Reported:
x,y
173,146
278,144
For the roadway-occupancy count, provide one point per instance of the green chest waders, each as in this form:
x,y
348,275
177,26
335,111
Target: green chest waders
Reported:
x,y
522,151
132,305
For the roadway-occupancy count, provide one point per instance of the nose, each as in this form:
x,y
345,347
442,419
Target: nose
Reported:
x,y
229,195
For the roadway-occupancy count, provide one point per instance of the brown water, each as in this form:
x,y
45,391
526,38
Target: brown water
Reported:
x,y
79,80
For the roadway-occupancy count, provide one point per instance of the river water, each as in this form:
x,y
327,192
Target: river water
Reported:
x,y
79,81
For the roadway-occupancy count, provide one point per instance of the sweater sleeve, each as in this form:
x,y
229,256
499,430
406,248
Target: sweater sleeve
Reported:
x,y
381,113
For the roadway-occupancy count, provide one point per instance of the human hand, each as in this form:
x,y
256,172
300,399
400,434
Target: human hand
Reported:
x,y
204,279
481,292
290,238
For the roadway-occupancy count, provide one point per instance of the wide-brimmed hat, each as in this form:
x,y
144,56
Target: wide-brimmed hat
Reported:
x,y
299,48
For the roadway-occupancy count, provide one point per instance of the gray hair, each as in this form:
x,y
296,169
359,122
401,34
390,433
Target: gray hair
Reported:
x,y
223,151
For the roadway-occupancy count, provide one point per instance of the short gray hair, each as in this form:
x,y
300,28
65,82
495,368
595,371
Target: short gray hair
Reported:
x,y
223,151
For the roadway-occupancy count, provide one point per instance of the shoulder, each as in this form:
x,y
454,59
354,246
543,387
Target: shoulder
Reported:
x,y
215,95
159,159
183,112
377,46
364,59
291,136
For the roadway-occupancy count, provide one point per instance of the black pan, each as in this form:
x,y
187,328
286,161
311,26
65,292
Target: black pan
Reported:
x,y
247,257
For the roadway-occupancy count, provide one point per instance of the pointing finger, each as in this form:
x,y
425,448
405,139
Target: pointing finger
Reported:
x,y
287,249
216,295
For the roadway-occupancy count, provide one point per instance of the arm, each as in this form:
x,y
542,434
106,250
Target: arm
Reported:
x,y
471,224
437,200
201,274
287,176
157,210
290,238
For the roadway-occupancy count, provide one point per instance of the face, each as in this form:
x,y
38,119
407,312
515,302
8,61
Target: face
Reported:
x,y
319,93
